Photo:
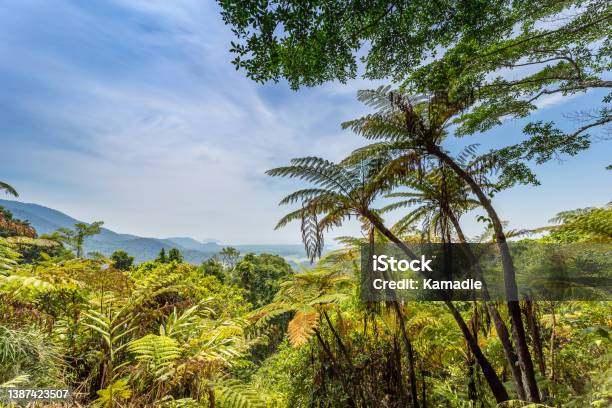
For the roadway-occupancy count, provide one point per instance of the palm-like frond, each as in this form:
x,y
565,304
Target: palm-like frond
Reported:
x,y
318,171
7,188
305,295
114,329
339,192
401,204
312,234
378,127
305,195
406,223
302,326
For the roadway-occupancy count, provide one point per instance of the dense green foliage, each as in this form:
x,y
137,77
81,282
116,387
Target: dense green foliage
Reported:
x,y
122,260
260,276
171,334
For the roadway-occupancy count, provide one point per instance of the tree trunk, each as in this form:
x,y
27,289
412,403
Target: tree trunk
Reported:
x,y
514,310
471,364
471,372
405,338
424,390
345,353
211,397
500,326
552,342
534,331
335,369
410,352
397,358
497,388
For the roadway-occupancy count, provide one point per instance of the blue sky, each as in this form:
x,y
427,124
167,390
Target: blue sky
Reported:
x,y
129,111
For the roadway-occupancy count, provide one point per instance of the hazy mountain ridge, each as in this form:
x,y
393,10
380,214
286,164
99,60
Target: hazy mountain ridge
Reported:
x,y
47,220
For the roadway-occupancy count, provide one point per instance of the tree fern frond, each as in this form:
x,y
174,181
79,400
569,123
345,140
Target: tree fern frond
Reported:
x,y
292,216
330,298
8,189
304,195
406,222
401,204
312,234
321,172
301,327
234,394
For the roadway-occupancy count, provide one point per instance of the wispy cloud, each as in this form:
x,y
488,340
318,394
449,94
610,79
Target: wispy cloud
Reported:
x,y
135,107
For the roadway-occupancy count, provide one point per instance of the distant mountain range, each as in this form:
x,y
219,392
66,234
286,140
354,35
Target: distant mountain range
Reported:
x,y
47,220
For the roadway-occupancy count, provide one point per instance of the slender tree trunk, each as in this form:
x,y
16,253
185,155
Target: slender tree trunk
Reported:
x,y
335,369
514,310
497,388
424,389
472,391
410,352
345,353
498,322
403,400
552,342
536,339
534,331
211,397
405,338
471,365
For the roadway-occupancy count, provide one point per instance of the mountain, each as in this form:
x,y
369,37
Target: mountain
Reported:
x,y
47,220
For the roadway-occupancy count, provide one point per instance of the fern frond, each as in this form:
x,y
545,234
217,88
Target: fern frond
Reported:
x,y
8,189
156,353
234,394
301,327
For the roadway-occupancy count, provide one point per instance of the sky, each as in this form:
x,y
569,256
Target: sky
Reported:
x,y
130,112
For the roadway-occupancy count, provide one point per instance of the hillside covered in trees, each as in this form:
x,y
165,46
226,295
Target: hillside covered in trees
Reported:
x,y
47,220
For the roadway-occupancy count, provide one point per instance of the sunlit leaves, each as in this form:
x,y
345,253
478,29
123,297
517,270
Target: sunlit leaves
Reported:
x,y
156,354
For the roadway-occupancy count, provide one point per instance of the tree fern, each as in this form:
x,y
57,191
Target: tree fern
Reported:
x,y
312,233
